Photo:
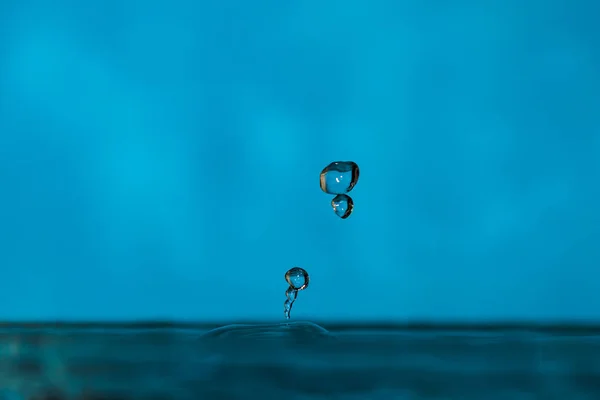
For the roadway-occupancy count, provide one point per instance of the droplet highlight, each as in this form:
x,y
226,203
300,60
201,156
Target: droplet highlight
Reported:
x,y
298,280
342,205
339,177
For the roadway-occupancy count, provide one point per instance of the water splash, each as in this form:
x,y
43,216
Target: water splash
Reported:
x,y
298,279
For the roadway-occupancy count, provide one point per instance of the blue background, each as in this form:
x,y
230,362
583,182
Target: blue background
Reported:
x,y
161,159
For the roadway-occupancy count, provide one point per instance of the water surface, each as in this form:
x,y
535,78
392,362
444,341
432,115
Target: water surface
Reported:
x,y
298,361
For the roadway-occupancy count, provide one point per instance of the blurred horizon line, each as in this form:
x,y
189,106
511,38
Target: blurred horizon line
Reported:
x,y
574,327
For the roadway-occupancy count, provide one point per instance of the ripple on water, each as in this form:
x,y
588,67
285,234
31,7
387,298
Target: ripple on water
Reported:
x,y
300,330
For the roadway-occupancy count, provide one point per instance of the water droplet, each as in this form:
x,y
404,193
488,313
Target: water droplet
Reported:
x,y
297,278
339,177
342,205
290,295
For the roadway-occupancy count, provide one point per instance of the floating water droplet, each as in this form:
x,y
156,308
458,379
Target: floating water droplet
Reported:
x,y
298,279
339,177
342,205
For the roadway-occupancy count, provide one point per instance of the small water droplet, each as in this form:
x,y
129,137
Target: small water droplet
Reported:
x,y
298,279
339,177
342,205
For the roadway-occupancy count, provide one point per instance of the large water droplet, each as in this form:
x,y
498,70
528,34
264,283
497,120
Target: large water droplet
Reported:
x,y
297,278
342,205
339,177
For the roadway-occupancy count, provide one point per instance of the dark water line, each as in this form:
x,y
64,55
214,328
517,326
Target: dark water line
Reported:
x,y
563,328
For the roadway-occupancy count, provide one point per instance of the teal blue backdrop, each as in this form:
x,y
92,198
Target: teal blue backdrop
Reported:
x,y
160,160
